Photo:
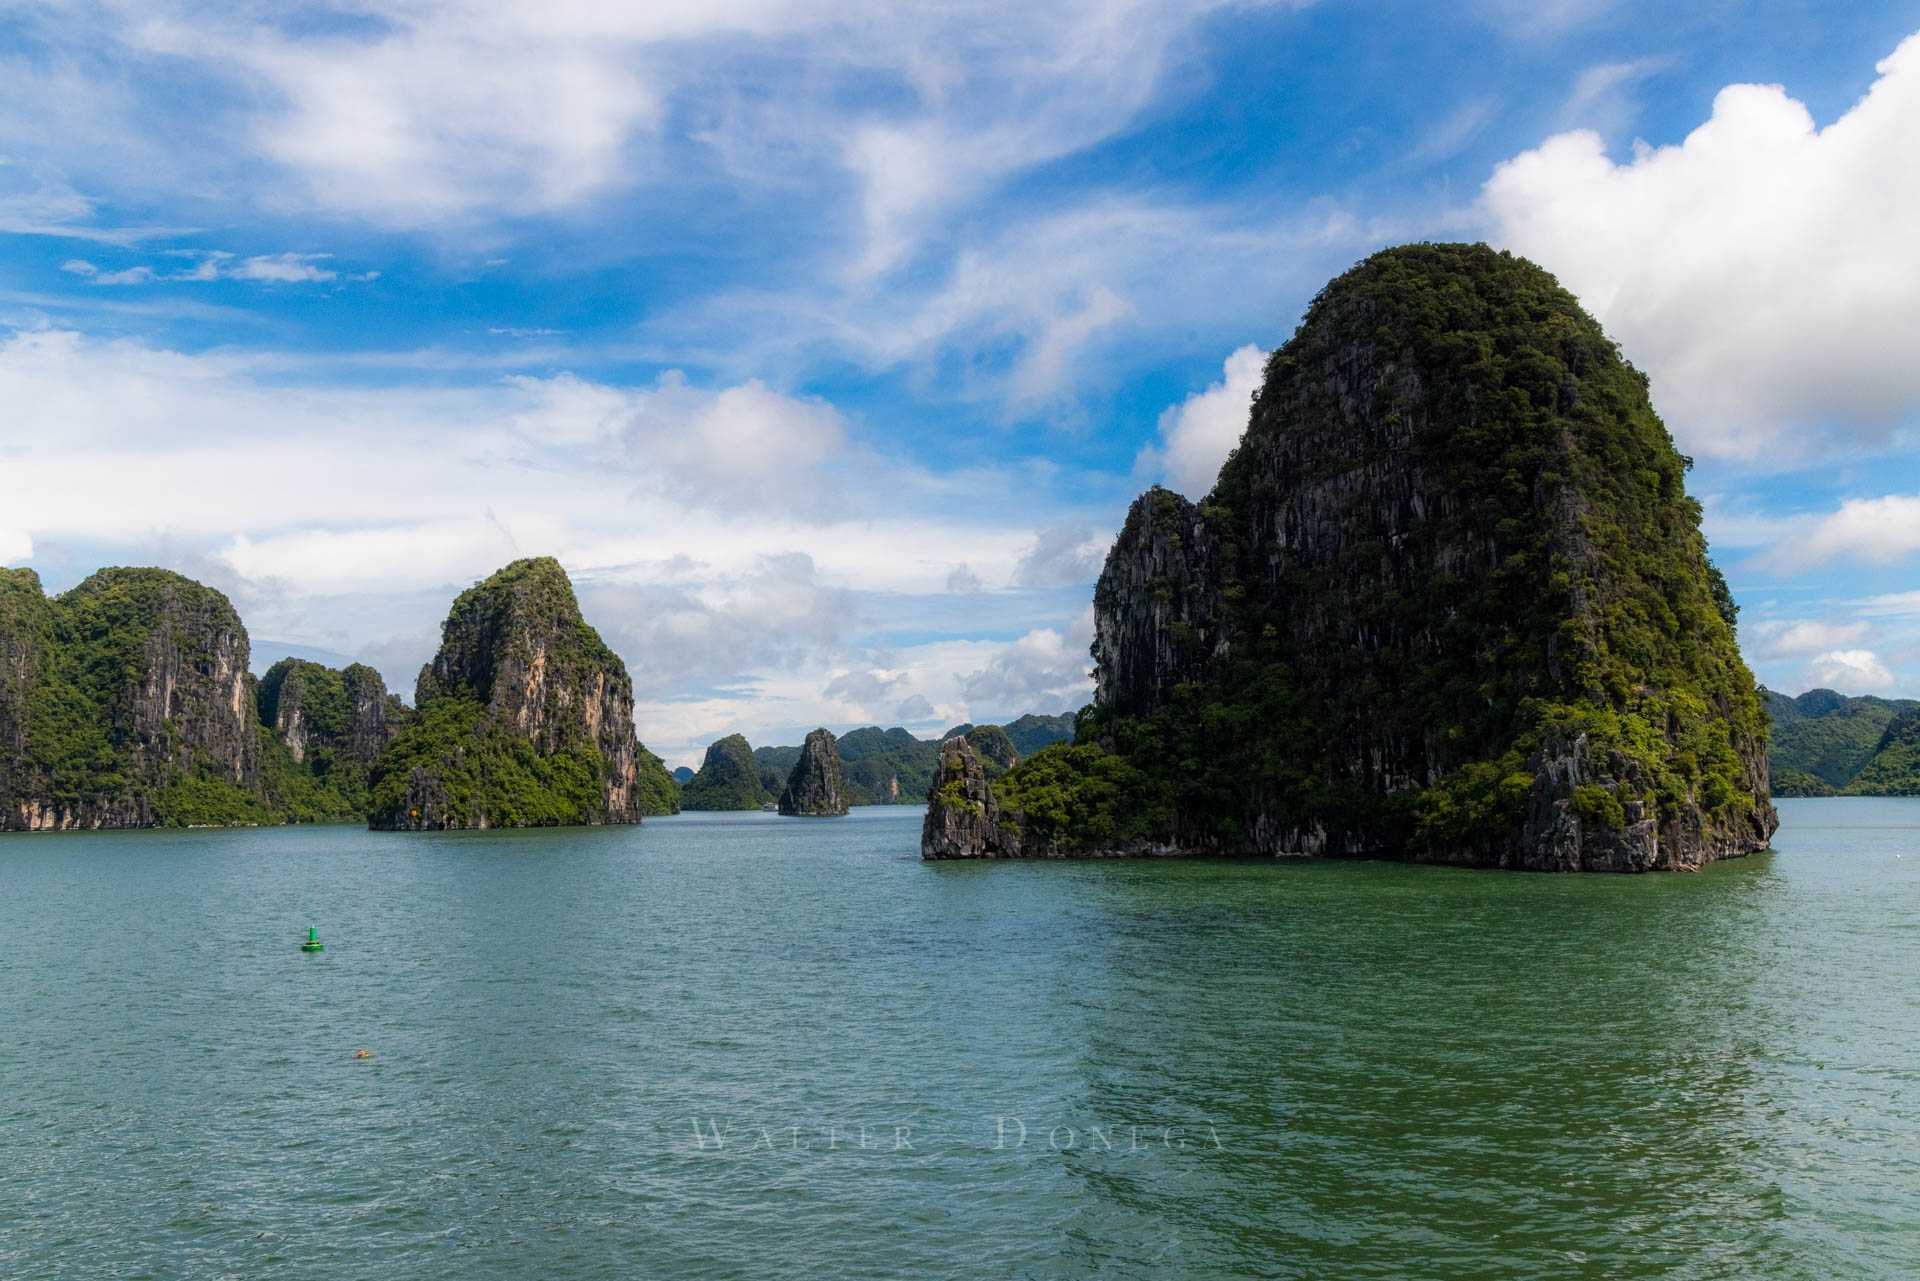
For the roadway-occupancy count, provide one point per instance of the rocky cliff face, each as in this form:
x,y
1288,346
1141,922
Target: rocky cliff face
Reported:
x,y
124,703
26,636
963,816
346,715
325,728
525,718
729,779
995,750
1448,601
816,788
1157,615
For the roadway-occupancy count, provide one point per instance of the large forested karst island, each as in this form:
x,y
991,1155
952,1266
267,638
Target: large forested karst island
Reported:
x,y
1448,601
127,702
523,719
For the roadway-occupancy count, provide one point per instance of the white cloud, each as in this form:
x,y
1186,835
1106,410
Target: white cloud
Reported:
x,y
1881,531
1197,434
1600,98
434,114
1891,605
1761,270
15,546
1776,638
1063,556
282,268
212,264
865,686
696,522
1850,671
746,446
1019,314
35,205
914,711
1455,132
141,275
1046,670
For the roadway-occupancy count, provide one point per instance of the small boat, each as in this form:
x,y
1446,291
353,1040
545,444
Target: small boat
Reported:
x,y
313,943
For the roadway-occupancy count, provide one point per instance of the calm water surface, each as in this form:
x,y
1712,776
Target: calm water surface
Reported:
x,y
1220,1069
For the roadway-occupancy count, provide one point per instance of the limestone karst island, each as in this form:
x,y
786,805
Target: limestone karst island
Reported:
x,y
1448,602
1114,640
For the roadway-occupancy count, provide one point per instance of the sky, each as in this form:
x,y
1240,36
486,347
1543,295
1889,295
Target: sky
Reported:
x,y
826,344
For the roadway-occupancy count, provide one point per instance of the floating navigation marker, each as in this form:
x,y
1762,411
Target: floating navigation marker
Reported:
x,y
313,943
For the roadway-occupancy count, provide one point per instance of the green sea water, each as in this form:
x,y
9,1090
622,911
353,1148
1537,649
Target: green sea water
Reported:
x,y
734,1046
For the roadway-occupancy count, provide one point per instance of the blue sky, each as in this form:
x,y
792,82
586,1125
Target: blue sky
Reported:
x,y
826,345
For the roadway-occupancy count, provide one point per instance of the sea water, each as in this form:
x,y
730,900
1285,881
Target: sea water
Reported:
x,y
738,1046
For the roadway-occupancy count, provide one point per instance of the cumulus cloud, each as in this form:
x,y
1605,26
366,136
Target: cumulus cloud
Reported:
x,y
1881,531
863,686
1851,671
1760,271
311,475
746,446
1197,435
1063,556
913,711
680,621
1046,670
1775,638
963,580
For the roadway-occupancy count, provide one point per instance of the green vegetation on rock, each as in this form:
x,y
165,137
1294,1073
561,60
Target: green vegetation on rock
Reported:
x,y
1083,797
325,728
728,779
994,748
1448,600
459,768
125,702
892,767
1894,767
1823,741
1032,732
524,718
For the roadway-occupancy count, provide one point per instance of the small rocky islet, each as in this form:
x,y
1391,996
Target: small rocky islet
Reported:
x,y
817,787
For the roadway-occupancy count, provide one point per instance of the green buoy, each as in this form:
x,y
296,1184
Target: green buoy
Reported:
x,y
313,943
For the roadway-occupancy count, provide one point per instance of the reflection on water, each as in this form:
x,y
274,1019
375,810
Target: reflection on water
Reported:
x,y
738,1046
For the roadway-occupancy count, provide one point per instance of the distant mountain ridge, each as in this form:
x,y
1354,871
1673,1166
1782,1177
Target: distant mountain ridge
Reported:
x,y
1826,743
